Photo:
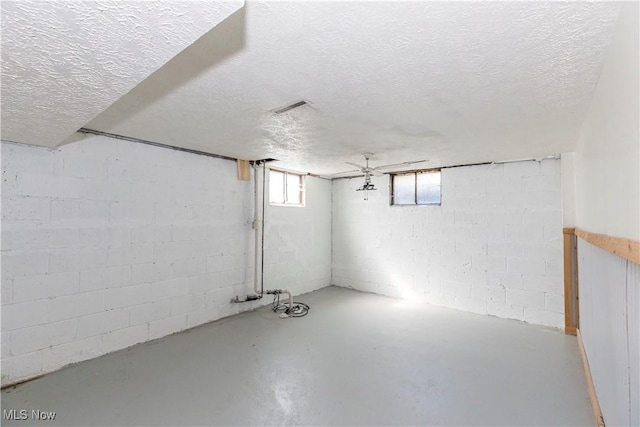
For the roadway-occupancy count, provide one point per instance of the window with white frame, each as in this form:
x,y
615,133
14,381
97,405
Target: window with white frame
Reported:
x,y
416,188
286,188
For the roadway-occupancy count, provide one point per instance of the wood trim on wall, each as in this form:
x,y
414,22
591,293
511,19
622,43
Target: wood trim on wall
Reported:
x,y
244,170
626,248
595,405
570,268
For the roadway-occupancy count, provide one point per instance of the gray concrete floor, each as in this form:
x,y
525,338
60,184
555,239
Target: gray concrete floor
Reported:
x,y
356,359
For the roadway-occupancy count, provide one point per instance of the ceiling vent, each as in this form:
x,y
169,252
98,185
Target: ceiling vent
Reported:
x,y
290,107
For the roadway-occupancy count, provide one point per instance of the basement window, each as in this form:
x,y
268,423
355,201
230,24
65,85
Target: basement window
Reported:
x,y
286,188
416,188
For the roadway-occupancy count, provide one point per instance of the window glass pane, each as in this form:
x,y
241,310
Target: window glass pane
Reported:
x,y
428,186
294,185
276,187
404,189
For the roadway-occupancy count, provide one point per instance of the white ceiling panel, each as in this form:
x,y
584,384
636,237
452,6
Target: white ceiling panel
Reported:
x,y
64,62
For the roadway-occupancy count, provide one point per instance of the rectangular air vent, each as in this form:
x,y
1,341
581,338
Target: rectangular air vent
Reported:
x,y
290,107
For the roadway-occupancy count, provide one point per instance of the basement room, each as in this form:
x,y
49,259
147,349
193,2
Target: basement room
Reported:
x,y
313,213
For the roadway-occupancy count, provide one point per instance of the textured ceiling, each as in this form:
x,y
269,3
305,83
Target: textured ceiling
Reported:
x,y
452,82
64,62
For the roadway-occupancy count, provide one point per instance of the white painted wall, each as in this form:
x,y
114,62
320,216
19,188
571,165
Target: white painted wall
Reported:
x,y
298,241
607,196
494,246
609,325
107,243
568,189
607,161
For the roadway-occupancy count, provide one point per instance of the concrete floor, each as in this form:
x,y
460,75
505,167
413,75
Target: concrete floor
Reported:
x,y
356,359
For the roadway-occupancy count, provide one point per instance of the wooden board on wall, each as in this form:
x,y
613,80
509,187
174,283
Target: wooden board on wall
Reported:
x,y
570,287
244,170
626,248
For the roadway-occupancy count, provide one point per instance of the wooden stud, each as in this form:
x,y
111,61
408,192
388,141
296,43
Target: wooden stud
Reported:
x,y
626,248
244,170
595,405
568,274
571,308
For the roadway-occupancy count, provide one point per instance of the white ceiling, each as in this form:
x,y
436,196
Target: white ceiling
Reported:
x,y
64,62
452,82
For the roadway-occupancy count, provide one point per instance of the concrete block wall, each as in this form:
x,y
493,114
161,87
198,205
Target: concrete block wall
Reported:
x,y
108,243
298,241
494,246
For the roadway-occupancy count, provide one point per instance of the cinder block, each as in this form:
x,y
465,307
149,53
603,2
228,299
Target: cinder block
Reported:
x,y
17,158
127,296
123,338
17,237
27,340
234,277
72,210
458,289
5,340
38,185
526,299
105,278
550,167
517,170
150,272
31,288
200,317
171,251
541,183
554,267
25,208
189,267
126,212
6,292
526,266
100,323
544,283
151,234
94,189
84,166
173,214
487,232
24,263
530,233
553,233
24,315
61,355
74,306
474,276
104,236
180,304
504,280
149,312
471,305
551,217
21,367
554,303
506,311
489,263
76,259
542,317
204,283
163,327
130,254
169,288
488,293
